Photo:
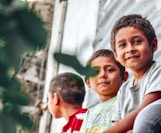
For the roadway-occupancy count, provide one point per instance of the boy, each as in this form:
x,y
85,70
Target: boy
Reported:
x,y
106,83
66,95
134,42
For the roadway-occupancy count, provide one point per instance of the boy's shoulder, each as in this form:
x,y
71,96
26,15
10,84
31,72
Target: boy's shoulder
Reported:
x,y
79,114
154,69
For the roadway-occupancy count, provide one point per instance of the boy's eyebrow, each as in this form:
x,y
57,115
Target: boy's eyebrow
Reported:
x,y
120,41
108,65
136,36
94,66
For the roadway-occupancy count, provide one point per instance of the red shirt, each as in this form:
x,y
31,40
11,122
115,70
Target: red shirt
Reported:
x,y
75,121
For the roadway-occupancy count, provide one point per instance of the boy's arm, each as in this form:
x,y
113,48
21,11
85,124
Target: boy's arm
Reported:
x,y
126,123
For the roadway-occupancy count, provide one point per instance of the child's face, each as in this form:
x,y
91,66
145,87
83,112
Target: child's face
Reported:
x,y
133,49
108,80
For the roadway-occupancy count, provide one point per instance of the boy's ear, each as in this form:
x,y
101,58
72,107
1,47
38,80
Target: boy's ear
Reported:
x,y
154,44
87,82
56,99
125,76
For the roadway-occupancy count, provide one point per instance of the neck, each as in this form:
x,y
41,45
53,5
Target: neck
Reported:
x,y
140,73
105,98
69,110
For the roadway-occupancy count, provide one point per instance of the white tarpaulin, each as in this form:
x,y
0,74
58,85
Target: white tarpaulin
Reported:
x,y
88,25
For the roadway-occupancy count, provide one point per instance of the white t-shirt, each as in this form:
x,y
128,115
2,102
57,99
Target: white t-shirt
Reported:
x,y
130,97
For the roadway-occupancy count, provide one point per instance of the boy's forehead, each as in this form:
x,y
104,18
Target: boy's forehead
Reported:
x,y
128,31
103,60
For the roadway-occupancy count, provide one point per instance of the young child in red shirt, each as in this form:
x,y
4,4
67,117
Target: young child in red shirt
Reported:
x,y
65,98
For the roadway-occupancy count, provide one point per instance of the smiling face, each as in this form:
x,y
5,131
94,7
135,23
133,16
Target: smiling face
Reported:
x,y
133,50
108,80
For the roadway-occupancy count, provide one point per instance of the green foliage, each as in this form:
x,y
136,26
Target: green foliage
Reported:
x,y
73,62
21,31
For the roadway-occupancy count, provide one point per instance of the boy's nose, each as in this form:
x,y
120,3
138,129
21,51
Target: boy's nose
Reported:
x,y
130,48
103,74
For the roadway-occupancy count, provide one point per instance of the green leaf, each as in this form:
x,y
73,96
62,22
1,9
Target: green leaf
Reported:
x,y
73,62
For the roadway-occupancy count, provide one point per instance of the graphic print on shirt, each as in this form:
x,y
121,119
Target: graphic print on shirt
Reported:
x,y
99,121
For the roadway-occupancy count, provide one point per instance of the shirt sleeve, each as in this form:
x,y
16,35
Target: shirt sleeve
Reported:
x,y
154,79
117,110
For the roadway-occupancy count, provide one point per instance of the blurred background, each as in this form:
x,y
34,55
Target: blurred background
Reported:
x,y
31,31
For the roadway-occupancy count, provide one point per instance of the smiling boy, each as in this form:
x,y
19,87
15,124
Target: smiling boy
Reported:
x,y
111,74
134,42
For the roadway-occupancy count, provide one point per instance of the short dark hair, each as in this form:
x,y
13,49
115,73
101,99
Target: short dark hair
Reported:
x,y
105,53
133,20
69,86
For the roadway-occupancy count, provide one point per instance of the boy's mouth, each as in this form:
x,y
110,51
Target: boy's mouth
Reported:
x,y
104,82
132,57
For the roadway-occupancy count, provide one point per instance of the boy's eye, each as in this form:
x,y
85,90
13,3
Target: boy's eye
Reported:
x,y
96,70
109,70
137,41
122,45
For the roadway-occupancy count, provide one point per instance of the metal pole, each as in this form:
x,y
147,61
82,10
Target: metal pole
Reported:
x,y
52,66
